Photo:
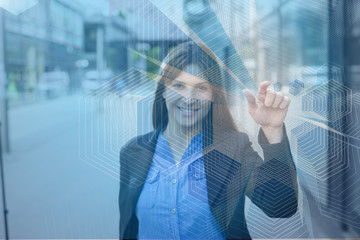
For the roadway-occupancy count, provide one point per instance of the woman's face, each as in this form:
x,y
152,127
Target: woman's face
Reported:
x,y
188,99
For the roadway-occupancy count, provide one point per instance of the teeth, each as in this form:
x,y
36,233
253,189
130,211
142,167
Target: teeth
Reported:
x,y
188,110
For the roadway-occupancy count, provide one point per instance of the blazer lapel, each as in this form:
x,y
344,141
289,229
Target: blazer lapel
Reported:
x,y
220,167
142,155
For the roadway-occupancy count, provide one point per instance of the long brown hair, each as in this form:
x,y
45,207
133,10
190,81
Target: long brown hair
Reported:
x,y
219,116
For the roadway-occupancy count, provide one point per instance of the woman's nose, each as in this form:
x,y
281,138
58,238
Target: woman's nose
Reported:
x,y
189,93
188,96
188,100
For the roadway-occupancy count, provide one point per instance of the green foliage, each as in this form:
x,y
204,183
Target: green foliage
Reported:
x,y
153,53
135,56
122,15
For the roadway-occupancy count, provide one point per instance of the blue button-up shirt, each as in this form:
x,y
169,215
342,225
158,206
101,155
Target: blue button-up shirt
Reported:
x,y
173,203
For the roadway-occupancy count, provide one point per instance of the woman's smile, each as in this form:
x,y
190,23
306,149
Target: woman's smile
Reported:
x,y
185,111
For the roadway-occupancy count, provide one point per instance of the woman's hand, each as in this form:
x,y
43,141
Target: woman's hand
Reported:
x,y
269,110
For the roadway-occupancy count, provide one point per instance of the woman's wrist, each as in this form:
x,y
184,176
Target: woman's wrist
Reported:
x,y
273,134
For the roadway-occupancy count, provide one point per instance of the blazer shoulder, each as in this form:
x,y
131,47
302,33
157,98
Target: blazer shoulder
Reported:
x,y
231,140
137,142
238,137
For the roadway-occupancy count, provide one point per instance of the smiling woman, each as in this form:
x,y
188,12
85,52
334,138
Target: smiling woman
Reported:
x,y
187,104
190,91
188,178
188,100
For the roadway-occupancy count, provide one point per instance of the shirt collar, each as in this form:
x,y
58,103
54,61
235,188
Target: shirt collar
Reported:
x,y
164,150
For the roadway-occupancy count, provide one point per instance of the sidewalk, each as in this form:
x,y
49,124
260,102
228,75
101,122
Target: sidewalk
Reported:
x,y
50,191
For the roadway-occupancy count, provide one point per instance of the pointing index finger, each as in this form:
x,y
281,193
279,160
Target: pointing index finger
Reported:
x,y
263,87
262,90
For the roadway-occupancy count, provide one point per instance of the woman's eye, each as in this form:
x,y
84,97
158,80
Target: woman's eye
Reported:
x,y
178,85
202,88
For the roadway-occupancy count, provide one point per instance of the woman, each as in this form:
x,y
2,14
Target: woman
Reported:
x,y
188,178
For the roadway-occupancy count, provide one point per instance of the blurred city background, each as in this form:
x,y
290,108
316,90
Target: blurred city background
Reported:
x,y
77,79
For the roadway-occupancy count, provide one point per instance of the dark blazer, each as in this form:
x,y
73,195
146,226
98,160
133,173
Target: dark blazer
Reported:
x,y
233,169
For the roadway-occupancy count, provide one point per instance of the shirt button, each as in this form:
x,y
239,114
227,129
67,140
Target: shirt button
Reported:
x,y
196,175
174,181
173,210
